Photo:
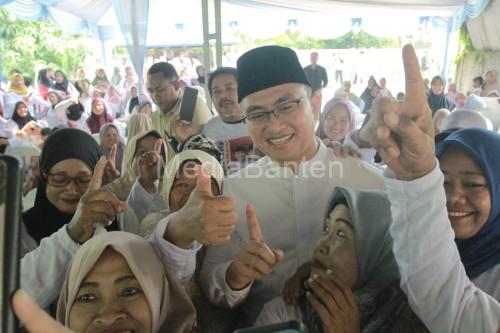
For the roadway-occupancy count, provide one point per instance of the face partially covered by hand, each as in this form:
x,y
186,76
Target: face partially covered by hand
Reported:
x,y
336,250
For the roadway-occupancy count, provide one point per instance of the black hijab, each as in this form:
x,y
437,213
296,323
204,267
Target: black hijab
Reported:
x,y
134,101
42,78
44,219
63,86
440,101
21,121
368,98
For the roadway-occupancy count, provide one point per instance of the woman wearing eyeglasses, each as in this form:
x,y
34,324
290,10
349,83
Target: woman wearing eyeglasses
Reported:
x,y
54,227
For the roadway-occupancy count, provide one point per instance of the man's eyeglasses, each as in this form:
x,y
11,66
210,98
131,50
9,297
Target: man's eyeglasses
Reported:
x,y
63,180
281,112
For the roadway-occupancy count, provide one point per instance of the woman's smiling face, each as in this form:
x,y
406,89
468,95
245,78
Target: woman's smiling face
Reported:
x,y
110,299
468,197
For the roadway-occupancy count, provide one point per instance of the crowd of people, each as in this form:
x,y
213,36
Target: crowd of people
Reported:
x,y
353,218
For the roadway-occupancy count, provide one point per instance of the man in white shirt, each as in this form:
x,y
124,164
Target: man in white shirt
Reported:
x,y
384,92
289,188
223,90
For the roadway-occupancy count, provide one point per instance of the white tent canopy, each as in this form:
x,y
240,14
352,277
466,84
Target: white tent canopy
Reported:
x,y
485,29
181,23
76,15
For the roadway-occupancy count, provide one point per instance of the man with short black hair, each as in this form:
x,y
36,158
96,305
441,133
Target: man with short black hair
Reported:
x,y
164,88
316,74
223,90
288,189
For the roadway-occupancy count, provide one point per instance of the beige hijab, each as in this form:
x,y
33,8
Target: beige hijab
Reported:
x,y
138,123
213,167
171,308
491,89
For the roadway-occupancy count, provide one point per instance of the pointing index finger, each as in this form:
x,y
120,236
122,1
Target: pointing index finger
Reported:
x,y
96,181
158,145
253,225
415,90
112,155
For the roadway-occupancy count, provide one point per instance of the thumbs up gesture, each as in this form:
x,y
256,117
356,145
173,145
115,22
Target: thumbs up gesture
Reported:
x,y
205,218
96,207
253,259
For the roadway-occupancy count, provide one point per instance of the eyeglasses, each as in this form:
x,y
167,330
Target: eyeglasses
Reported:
x,y
62,180
281,112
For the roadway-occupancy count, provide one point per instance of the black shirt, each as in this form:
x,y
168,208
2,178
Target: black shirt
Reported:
x,y
317,76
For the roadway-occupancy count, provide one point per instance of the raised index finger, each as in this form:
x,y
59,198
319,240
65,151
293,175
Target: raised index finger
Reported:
x,y
35,319
112,154
253,225
415,90
158,145
96,181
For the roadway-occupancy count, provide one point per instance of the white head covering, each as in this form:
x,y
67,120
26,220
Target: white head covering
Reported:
x,y
138,123
473,103
466,119
212,166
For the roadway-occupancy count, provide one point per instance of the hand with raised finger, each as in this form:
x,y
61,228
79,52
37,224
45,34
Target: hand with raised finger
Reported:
x,y
205,218
181,129
294,286
29,127
404,137
34,319
97,207
334,302
110,171
151,167
253,259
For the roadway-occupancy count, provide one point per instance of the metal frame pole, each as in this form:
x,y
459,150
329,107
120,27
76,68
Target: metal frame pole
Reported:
x,y
218,33
206,47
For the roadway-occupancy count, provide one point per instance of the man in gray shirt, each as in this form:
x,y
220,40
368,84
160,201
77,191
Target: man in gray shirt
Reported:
x,y
223,90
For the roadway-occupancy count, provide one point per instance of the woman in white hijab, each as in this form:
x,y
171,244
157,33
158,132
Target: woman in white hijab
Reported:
x,y
438,119
142,142
175,178
466,119
138,123
116,282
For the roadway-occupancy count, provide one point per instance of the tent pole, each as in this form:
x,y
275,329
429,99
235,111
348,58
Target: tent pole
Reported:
x,y
446,65
206,47
1,66
218,33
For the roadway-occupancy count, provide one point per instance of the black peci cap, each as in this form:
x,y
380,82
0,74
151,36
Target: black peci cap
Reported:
x,y
268,66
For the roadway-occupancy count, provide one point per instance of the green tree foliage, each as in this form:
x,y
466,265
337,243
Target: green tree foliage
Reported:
x,y
467,48
292,39
361,40
297,40
25,44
